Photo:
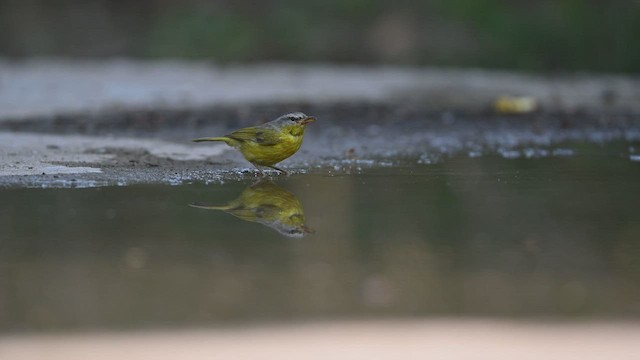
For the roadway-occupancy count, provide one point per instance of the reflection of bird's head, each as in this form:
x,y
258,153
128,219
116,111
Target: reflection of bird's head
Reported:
x,y
293,122
293,226
268,204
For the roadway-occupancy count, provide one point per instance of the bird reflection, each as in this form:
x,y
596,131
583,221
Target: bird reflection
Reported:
x,y
267,203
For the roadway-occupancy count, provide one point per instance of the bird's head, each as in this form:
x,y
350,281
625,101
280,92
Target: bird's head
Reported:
x,y
295,121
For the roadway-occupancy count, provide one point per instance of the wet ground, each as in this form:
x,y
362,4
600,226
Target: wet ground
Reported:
x,y
122,122
154,146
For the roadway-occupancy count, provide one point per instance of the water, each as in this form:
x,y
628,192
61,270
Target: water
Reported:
x,y
466,236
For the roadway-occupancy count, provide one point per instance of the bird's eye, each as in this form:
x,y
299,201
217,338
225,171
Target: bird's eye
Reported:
x,y
292,118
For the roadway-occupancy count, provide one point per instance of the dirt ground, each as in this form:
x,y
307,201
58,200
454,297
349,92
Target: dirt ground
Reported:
x,y
118,122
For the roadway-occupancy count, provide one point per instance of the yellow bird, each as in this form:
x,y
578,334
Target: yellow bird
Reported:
x,y
269,143
267,203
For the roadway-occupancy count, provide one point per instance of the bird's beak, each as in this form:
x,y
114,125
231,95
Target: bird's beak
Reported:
x,y
308,120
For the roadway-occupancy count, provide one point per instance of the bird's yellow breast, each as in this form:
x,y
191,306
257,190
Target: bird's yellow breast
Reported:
x,y
268,155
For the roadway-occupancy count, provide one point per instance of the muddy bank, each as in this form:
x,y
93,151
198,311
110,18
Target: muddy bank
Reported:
x,y
342,141
123,122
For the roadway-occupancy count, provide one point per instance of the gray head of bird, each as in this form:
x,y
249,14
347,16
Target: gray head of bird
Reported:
x,y
292,231
294,118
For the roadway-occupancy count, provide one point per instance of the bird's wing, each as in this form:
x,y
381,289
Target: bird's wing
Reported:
x,y
256,134
255,213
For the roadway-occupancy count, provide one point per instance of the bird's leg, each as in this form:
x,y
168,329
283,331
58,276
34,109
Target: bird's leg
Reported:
x,y
277,168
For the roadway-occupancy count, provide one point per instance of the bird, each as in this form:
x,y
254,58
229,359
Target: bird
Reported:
x,y
269,143
268,204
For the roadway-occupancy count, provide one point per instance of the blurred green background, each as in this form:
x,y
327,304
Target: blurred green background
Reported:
x,y
544,35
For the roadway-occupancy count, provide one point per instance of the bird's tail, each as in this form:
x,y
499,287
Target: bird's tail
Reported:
x,y
209,207
221,138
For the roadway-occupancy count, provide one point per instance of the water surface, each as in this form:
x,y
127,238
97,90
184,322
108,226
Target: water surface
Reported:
x,y
550,237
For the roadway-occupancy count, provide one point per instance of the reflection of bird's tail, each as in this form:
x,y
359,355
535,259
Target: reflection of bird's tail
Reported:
x,y
221,138
210,207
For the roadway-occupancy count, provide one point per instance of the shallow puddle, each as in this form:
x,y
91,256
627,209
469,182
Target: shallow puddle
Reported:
x,y
554,236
